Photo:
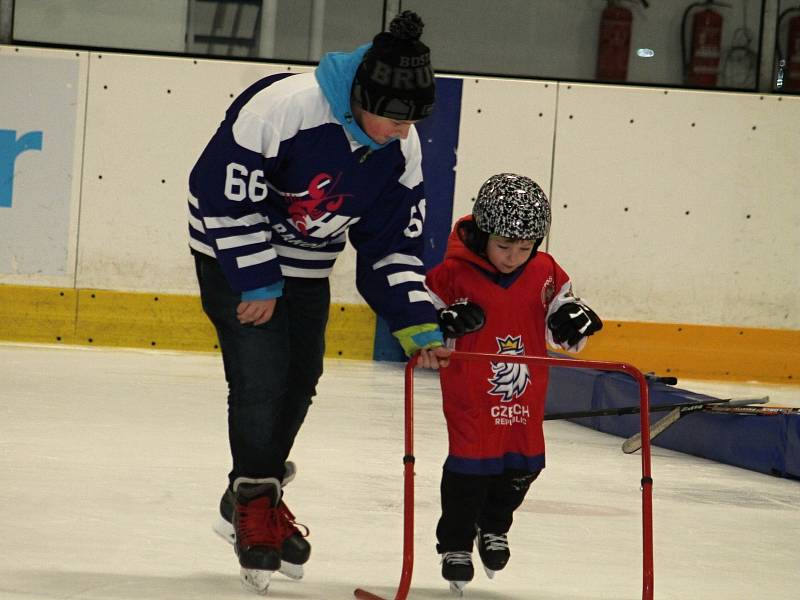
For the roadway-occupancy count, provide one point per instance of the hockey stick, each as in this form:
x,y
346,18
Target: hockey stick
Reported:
x,y
628,410
759,411
633,443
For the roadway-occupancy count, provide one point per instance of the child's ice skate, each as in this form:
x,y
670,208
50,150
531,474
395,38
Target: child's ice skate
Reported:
x,y
257,524
493,550
295,550
458,570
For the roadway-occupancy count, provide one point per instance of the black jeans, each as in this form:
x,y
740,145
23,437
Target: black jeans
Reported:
x,y
488,501
272,369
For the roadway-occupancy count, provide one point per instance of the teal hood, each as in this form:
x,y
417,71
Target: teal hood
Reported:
x,y
335,75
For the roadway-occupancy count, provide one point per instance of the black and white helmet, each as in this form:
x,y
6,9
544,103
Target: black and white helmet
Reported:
x,y
512,206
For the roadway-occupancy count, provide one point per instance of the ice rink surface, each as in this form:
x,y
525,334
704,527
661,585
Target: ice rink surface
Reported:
x,y
112,463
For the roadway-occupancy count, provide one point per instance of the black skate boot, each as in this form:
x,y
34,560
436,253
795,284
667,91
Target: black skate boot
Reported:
x,y
493,550
224,525
258,530
458,570
295,549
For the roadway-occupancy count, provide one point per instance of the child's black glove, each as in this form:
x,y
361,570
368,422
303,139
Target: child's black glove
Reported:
x,y
572,322
460,318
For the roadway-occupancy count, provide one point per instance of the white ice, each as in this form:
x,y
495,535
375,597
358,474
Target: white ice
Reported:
x,y
112,463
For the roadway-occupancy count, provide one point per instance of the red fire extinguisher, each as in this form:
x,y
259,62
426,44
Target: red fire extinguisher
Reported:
x,y
614,44
701,65
789,62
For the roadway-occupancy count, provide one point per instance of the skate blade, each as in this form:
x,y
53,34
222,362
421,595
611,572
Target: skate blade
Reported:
x,y
291,570
457,587
489,572
225,530
255,580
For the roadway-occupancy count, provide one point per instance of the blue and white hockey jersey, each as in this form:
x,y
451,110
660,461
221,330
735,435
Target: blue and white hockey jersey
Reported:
x,y
289,174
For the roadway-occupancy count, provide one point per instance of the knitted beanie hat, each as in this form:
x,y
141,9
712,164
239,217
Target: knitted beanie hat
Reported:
x,y
395,78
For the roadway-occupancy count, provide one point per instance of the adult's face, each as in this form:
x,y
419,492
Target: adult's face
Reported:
x,y
381,129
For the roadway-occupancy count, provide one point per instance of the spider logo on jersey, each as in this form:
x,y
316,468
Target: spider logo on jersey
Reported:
x,y
304,213
509,380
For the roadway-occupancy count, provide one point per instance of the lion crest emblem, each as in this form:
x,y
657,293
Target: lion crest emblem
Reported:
x,y
509,380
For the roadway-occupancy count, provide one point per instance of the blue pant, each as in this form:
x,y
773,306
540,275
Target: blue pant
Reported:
x,y
272,369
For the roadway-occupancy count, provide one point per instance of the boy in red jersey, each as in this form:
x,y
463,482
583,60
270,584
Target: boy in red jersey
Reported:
x,y
497,294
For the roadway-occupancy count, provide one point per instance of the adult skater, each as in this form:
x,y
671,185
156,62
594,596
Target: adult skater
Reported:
x,y
499,295
299,163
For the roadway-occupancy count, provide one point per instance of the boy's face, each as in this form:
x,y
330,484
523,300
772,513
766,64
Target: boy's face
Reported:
x,y
508,255
381,129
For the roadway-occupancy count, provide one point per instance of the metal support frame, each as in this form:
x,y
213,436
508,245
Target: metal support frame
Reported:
x,y
646,483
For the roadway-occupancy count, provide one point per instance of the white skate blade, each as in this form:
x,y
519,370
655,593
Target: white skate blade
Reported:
x,y
291,570
225,530
255,580
457,587
489,572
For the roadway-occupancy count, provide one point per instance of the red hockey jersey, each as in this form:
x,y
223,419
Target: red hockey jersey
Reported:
x,y
495,410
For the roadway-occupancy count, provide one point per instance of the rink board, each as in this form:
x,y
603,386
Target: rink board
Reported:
x,y
767,444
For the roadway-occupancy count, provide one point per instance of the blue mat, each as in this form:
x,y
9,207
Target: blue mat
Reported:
x,y
767,444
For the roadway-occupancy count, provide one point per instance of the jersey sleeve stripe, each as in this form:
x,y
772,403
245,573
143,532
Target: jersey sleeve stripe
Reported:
x,y
249,260
418,296
404,277
397,259
436,299
195,223
201,247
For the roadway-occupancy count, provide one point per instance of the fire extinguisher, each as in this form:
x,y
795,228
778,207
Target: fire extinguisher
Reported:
x,y
614,43
701,64
789,62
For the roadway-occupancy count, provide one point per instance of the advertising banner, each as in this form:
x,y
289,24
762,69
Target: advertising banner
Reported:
x,y
39,108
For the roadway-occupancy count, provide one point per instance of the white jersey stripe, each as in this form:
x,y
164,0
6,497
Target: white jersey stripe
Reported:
x,y
397,259
236,241
309,273
201,247
299,253
255,259
245,221
195,223
418,296
410,147
278,112
404,277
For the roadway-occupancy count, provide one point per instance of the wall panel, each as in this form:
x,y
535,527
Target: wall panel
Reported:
x,y
41,148
676,213
506,126
680,207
